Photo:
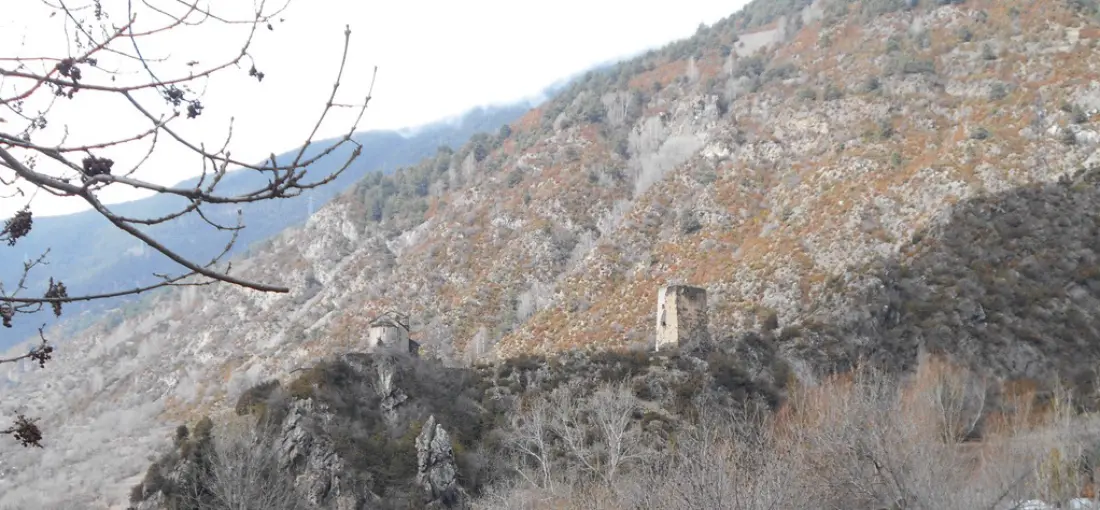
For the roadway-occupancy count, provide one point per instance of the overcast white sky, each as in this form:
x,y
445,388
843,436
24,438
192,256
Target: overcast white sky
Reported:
x,y
435,59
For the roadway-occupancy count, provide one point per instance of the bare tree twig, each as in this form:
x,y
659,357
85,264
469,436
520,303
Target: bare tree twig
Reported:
x,y
102,60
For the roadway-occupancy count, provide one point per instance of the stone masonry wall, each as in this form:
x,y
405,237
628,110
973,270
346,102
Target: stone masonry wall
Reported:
x,y
681,316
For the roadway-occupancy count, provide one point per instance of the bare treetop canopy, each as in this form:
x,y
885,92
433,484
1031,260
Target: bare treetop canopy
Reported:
x,y
104,54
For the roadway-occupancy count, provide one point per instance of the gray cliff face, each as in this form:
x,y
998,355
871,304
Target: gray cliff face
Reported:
x,y
319,470
385,386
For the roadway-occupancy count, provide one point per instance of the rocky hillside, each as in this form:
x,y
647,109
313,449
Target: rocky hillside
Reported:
x,y
862,178
393,431
114,261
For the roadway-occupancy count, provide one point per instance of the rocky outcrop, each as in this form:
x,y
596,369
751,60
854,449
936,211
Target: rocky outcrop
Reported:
x,y
308,458
436,471
392,395
320,472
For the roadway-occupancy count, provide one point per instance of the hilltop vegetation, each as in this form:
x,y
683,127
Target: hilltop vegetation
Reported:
x,y
357,417
621,431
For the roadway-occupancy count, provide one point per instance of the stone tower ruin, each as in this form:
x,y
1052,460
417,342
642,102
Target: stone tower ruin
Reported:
x,y
681,316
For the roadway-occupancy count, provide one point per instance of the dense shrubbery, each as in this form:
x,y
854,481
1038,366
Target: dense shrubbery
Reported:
x,y
372,420
997,92
879,7
908,64
1086,7
759,13
1010,283
253,399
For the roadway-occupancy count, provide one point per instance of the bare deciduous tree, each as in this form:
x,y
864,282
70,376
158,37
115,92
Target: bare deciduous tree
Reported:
x,y
611,412
879,441
597,432
530,437
244,473
870,440
726,461
106,56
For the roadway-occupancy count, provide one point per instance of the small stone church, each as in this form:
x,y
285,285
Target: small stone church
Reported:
x,y
390,332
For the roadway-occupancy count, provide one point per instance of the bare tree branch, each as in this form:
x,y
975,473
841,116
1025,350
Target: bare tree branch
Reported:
x,y
102,60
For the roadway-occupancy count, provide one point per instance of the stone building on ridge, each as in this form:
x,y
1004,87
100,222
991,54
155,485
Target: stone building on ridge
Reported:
x,y
390,332
681,317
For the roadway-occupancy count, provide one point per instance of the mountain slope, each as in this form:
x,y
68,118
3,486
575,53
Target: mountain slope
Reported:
x,y
816,166
115,261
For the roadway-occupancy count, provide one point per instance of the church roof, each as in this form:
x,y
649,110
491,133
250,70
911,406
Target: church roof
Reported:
x,y
390,320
